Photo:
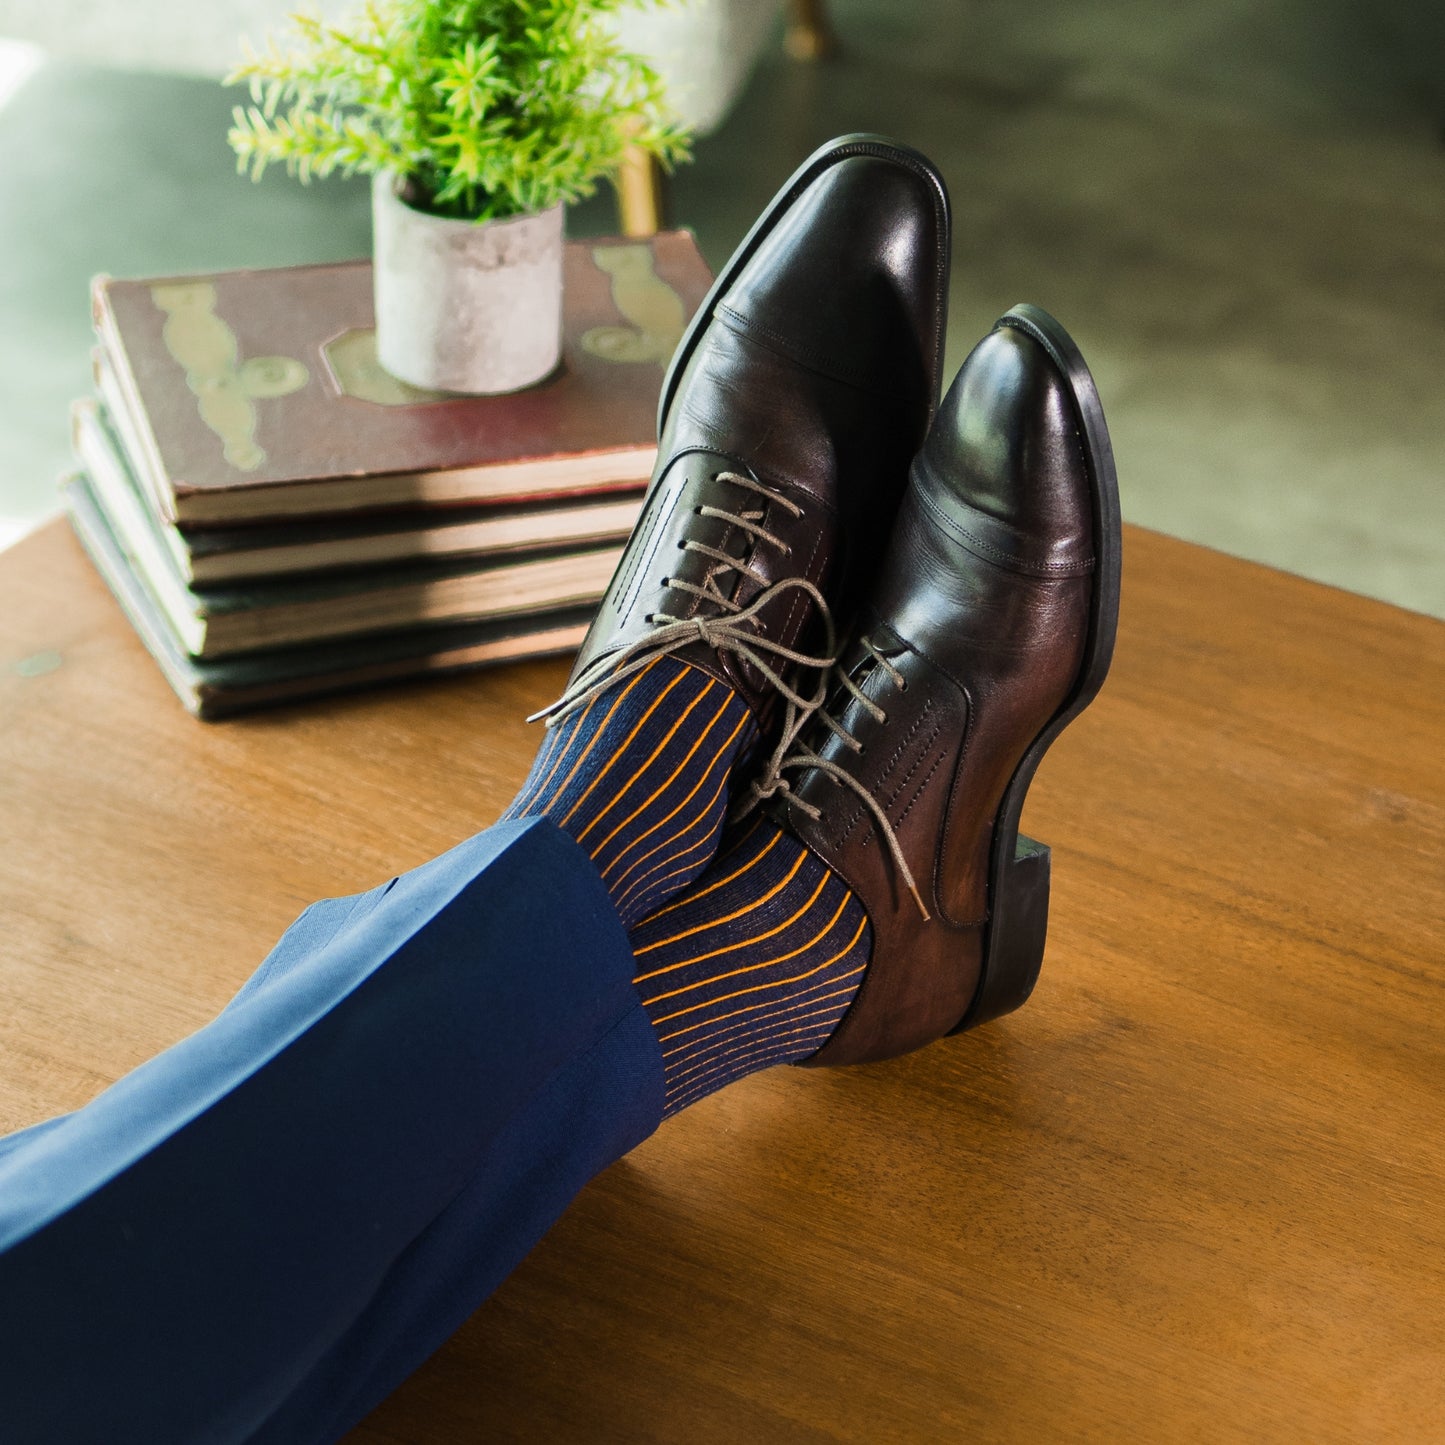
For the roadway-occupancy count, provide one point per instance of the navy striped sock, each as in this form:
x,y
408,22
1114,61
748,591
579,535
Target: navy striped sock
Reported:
x,y
638,777
752,965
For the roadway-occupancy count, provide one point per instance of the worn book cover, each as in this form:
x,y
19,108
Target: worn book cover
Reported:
x,y
241,617
260,679
256,395
210,555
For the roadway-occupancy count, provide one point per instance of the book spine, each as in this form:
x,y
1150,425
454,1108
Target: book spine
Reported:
x,y
124,400
217,699
102,455
138,536
239,622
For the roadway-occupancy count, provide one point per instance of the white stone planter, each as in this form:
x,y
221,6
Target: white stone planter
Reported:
x,y
462,306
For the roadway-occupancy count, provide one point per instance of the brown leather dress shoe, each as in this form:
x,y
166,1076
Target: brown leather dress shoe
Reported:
x,y
788,419
991,626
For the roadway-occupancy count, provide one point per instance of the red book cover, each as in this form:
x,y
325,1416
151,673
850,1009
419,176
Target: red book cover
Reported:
x,y
256,395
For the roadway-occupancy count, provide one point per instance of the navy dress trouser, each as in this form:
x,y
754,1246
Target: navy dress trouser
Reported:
x,y
259,1233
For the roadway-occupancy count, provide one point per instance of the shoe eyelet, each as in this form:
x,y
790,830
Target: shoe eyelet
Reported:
x,y
902,684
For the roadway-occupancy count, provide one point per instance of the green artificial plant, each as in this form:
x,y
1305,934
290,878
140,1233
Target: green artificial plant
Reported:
x,y
485,108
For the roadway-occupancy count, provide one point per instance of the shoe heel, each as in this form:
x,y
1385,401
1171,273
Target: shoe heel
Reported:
x,y
1013,941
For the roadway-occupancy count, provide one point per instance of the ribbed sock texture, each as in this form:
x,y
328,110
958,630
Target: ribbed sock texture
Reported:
x,y
753,965
638,777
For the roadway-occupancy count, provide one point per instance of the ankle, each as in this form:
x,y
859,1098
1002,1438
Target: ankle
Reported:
x,y
638,777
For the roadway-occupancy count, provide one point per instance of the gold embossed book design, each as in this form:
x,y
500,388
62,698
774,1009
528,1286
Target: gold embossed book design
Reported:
x,y
256,395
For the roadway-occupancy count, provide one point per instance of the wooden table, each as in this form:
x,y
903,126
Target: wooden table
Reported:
x,y
1194,1191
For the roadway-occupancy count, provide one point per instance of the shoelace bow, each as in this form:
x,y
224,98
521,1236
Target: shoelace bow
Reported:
x,y
730,632
793,754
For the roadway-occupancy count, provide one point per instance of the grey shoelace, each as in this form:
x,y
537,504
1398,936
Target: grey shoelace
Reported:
x,y
732,632
792,754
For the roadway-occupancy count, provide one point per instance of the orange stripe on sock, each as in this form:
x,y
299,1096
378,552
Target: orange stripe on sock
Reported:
x,y
766,1003
696,1090
626,742
754,1044
728,918
721,1050
601,729
699,1086
553,742
713,887
671,839
561,739
671,778
747,942
758,987
719,757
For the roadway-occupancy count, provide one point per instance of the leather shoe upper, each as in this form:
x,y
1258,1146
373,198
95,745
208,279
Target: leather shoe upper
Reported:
x,y
970,645
813,375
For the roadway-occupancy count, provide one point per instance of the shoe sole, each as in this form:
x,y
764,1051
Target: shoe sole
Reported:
x,y
1018,881
841,149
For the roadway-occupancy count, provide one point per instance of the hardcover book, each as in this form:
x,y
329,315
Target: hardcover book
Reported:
x,y
260,679
256,395
207,556
248,617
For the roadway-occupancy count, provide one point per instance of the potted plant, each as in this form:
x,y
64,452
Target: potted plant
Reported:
x,y
478,120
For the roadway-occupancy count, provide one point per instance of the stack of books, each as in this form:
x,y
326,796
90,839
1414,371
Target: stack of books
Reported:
x,y
279,517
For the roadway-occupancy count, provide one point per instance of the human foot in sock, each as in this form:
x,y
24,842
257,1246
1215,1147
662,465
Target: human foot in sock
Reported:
x,y
638,777
790,413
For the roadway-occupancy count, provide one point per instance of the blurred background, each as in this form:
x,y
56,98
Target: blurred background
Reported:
x,y
1238,209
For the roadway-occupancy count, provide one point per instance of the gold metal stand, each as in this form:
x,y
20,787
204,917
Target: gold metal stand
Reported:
x,y
809,36
639,193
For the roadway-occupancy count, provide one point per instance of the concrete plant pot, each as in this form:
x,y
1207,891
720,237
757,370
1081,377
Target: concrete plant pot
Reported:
x,y
465,306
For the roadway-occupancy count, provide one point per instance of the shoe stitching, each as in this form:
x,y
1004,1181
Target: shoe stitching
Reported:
x,y
800,605
645,552
917,763
904,781
815,361
904,746
988,552
793,752
943,259
922,784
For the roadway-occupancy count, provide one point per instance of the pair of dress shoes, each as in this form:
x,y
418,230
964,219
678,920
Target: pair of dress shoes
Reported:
x,y
958,563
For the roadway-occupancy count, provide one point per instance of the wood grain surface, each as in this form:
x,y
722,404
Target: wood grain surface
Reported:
x,y
1195,1190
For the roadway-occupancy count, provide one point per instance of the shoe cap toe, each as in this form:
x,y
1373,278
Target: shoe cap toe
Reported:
x,y
1005,452
850,282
